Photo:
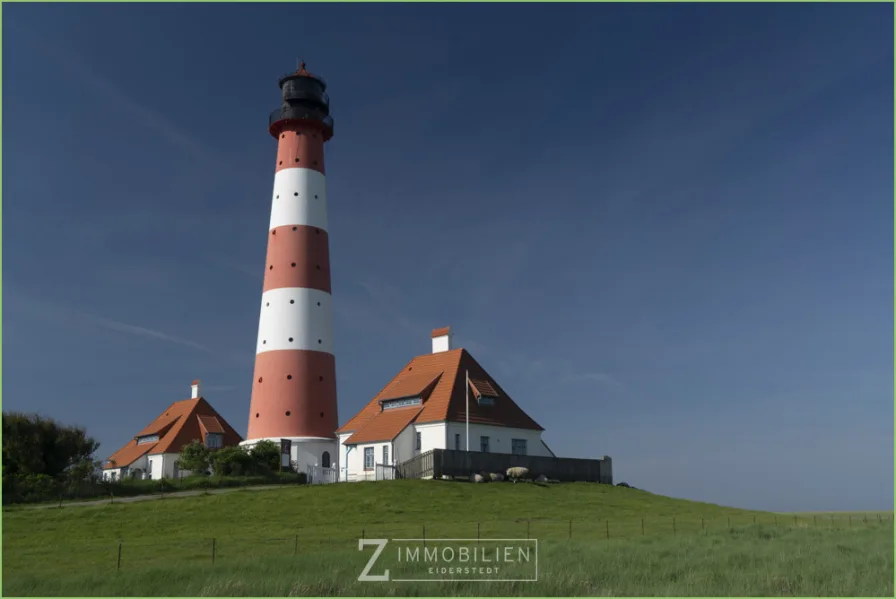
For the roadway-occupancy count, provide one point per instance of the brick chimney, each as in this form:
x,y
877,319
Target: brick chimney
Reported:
x,y
441,340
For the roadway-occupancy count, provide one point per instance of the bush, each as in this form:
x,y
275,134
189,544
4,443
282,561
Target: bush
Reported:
x,y
233,461
195,458
266,455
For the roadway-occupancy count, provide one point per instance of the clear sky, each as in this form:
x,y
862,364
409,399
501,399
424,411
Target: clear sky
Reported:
x,y
666,230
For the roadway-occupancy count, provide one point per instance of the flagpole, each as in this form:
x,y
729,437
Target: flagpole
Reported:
x,y
468,410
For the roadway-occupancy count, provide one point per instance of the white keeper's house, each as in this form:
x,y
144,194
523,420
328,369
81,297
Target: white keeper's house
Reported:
x,y
424,407
154,452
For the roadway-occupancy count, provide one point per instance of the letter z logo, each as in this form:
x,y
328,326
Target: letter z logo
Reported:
x,y
365,576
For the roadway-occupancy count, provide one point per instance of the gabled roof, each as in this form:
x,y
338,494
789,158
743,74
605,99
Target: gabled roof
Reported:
x,y
446,401
180,424
386,425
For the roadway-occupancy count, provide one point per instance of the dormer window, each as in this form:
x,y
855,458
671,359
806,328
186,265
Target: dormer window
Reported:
x,y
401,403
214,440
484,392
147,439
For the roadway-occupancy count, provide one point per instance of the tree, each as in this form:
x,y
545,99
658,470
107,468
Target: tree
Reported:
x,y
195,457
33,445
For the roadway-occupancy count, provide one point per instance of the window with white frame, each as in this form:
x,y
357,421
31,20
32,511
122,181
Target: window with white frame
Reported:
x,y
214,440
368,458
385,455
147,439
400,403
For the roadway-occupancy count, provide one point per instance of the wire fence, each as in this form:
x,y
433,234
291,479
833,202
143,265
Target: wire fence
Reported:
x,y
126,553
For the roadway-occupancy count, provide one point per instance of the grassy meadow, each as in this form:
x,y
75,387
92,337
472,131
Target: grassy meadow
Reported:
x,y
593,540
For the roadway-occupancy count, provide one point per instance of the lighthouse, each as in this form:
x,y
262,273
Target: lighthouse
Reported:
x,y
294,386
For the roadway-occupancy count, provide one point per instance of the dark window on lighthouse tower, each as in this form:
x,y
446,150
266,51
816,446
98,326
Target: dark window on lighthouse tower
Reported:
x,y
325,459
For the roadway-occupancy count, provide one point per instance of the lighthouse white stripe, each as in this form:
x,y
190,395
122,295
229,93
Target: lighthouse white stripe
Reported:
x,y
308,208
304,320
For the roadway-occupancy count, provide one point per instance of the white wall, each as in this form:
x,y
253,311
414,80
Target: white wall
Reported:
x,y
499,438
307,451
155,467
350,463
432,436
109,472
403,446
438,435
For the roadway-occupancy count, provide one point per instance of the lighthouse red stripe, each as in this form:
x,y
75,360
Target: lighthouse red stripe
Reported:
x,y
309,395
301,145
298,256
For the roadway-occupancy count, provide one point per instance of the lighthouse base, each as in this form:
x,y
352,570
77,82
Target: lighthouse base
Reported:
x,y
305,452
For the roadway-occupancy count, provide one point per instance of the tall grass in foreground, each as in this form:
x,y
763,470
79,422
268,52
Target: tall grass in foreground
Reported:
x,y
755,560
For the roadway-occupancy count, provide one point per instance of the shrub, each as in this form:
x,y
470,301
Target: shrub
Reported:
x,y
233,461
195,457
266,455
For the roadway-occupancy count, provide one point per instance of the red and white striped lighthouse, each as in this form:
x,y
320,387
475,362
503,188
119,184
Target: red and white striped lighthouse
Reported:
x,y
294,387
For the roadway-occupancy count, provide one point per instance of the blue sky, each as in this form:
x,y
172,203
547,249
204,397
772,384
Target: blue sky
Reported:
x,y
665,229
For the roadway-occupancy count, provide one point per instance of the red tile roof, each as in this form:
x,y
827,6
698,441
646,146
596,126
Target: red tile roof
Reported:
x,y
481,388
441,332
179,425
128,454
210,424
413,385
386,425
446,401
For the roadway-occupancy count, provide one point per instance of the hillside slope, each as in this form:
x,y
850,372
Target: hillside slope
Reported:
x,y
333,516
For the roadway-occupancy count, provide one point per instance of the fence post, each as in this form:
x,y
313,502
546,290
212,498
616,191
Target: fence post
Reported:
x,y
729,521
295,550
608,528
673,526
754,519
570,529
528,523
814,521
477,531
213,551
702,526
424,536
119,556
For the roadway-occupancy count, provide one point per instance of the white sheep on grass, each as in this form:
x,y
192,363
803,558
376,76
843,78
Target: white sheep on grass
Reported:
x,y
517,473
